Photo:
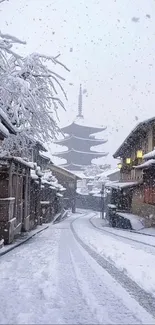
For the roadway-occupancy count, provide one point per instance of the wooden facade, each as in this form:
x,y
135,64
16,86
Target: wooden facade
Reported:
x,y
14,198
31,193
139,143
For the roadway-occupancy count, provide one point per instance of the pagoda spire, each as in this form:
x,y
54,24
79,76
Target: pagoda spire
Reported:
x,y
80,103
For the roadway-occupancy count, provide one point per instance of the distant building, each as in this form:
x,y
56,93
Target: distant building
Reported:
x,y
110,175
79,140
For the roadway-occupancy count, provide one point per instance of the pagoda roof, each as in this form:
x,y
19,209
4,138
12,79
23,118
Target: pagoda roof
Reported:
x,y
91,140
80,124
90,153
72,166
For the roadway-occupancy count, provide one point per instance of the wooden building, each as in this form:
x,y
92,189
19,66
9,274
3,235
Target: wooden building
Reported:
x,y
69,181
136,162
14,197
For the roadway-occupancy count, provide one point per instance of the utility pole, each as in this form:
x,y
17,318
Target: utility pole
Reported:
x,y
102,201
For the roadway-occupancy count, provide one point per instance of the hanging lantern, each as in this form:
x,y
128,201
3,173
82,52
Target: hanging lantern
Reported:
x,y
128,161
139,154
119,165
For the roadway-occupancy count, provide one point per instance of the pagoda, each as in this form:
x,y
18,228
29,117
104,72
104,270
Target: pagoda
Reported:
x,y
79,137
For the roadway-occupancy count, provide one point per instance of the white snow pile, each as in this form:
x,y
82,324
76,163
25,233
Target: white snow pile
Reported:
x,y
137,223
49,179
106,174
33,174
82,191
146,164
24,161
59,195
119,185
149,155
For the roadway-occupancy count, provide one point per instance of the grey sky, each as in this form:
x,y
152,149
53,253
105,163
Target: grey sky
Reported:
x,y
109,47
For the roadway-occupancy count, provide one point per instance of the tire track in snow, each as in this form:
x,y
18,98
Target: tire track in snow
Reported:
x,y
144,298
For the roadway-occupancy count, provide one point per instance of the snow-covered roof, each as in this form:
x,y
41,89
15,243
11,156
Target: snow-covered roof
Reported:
x,y
33,174
80,124
146,164
38,171
59,194
71,165
81,175
82,191
65,139
24,162
118,185
84,122
62,189
6,158
107,173
149,155
135,131
44,202
95,191
61,169
81,152
97,194
44,156
49,179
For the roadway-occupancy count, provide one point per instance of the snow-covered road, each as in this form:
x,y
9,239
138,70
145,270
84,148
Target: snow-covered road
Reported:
x,y
55,279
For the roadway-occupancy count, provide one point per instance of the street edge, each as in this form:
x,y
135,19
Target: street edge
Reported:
x,y
145,299
118,235
22,242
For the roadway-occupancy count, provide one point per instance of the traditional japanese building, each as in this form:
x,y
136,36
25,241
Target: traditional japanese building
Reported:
x,y
79,137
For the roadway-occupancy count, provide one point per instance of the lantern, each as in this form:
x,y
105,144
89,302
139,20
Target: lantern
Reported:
x,y
139,154
128,161
119,165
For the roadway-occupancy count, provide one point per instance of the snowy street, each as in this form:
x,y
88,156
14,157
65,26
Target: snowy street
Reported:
x,y
73,273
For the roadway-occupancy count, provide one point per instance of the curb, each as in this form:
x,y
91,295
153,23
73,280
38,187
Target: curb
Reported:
x,y
129,230
141,233
22,242
117,235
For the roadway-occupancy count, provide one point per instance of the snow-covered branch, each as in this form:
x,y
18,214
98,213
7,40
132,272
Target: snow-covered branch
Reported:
x,y
3,1
29,95
30,91
11,38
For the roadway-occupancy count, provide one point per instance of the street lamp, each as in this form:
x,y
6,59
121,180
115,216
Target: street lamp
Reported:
x,y
128,161
139,154
119,165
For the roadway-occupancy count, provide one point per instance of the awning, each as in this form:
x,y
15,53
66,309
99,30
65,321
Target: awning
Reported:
x,y
146,164
150,155
118,185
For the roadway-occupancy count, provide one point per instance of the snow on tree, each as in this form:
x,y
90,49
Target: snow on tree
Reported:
x,y
29,92
29,95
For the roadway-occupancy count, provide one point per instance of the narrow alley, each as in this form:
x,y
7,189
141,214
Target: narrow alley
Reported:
x,y
55,279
